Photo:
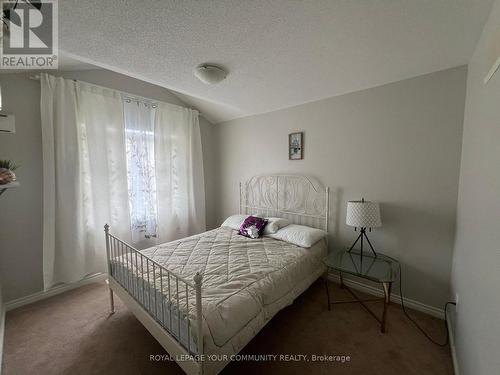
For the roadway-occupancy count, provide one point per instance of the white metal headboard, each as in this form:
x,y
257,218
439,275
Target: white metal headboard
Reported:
x,y
301,199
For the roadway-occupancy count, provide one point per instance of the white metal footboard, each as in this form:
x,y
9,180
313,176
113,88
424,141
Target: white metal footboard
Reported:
x,y
160,299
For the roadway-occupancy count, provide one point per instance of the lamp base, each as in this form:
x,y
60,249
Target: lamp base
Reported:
x,y
362,235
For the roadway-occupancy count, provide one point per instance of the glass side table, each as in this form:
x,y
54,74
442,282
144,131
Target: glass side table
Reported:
x,y
380,269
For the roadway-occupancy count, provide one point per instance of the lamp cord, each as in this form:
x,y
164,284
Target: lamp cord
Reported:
x,y
414,322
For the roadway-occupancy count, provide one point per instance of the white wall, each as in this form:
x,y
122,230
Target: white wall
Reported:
x,y
2,327
398,144
476,259
21,209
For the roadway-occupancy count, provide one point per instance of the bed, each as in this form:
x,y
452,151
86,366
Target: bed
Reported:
x,y
206,296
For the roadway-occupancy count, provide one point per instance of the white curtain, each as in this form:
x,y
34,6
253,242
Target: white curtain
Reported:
x,y
180,187
85,179
111,160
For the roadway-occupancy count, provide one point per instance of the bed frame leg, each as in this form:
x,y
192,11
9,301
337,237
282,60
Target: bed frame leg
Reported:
x,y
111,301
108,258
198,279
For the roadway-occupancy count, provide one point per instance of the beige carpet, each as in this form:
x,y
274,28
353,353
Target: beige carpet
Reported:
x,y
72,333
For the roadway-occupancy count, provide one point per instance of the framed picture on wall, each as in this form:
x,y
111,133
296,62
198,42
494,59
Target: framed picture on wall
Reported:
x,y
295,146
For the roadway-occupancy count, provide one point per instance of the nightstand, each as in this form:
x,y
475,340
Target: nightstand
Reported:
x,y
380,269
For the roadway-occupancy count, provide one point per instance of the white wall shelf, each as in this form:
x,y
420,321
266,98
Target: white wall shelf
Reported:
x,y
10,185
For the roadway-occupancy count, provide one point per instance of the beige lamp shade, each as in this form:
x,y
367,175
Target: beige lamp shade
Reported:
x,y
363,214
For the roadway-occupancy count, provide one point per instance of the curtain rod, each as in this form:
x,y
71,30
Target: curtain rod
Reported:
x,y
125,95
36,77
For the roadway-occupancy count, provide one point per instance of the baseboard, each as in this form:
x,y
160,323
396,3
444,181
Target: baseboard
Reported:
x,y
416,305
451,334
2,333
14,304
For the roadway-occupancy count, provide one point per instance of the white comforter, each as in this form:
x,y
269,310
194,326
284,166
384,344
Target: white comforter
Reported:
x,y
245,281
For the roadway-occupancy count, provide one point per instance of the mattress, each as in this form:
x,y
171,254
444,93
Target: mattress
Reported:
x,y
245,282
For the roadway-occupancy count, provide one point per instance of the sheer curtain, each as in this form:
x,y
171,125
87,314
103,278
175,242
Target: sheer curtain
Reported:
x,y
139,137
108,159
85,182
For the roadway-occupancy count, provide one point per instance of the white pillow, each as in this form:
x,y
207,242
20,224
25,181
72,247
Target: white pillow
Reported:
x,y
299,235
274,224
234,221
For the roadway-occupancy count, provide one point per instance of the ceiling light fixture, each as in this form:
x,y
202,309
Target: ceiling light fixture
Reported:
x,y
209,73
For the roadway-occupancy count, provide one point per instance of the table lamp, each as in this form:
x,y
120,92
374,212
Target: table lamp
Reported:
x,y
363,214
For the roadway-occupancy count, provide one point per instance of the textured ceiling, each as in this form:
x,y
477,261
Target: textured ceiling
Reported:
x,y
279,53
